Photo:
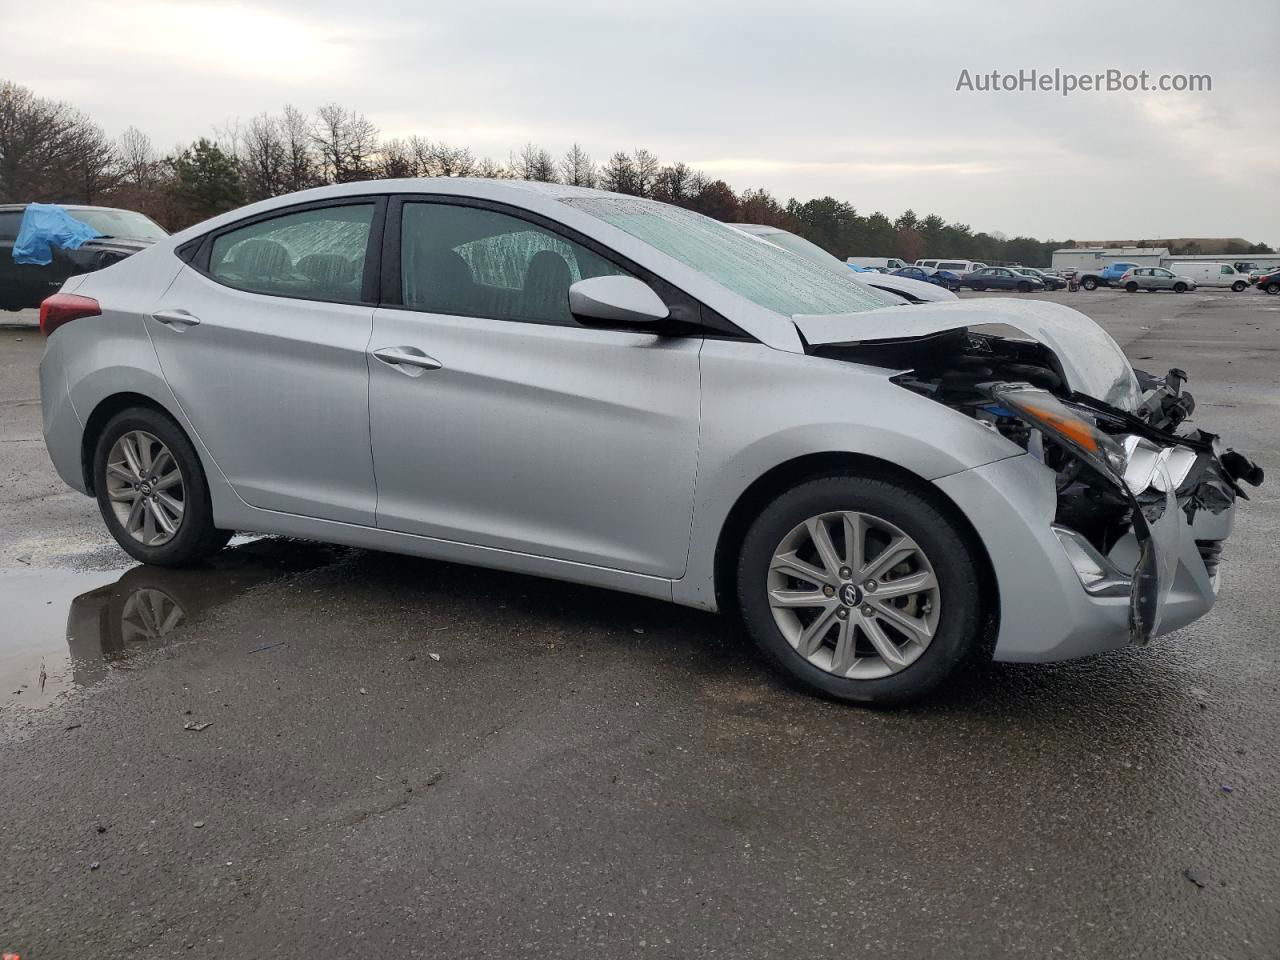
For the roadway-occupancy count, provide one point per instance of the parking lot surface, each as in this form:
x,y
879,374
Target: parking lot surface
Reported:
x,y
310,751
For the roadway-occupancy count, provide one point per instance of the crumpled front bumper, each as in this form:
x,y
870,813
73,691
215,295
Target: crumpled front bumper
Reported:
x,y
1051,607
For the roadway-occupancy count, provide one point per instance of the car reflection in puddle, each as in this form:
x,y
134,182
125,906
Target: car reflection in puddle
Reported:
x,y
56,634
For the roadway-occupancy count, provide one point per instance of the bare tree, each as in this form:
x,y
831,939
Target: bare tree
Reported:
x,y
346,141
264,158
646,166
35,137
576,169
619,174
300,161
91,168
450,161
490,169
140,164
674,184
396,159
533,163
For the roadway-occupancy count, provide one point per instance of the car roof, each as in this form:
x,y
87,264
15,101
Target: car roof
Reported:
x,y
10,207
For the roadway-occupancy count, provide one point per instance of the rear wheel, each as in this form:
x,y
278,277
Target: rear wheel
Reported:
x,y
152,491
1238,286
1273,287
1131,287
860,589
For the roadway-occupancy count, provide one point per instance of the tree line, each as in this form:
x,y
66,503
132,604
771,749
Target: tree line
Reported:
x,y
52,152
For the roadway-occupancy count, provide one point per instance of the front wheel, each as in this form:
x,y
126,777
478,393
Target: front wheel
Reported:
x,y
1024,288
860,589
1089,283
152,491
1179,288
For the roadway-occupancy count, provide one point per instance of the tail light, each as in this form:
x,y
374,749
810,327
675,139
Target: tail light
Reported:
x,y
62,308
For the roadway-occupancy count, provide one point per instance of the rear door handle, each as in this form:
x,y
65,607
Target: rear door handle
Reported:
x,y
411,357
176,318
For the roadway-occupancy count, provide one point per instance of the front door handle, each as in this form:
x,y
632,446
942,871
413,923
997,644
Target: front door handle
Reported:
x,y
411,357
176,318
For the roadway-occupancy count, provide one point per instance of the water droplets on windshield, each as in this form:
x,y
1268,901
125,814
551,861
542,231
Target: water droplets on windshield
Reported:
x,y
745,265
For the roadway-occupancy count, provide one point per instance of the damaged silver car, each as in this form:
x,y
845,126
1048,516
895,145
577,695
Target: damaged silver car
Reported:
x,y
573,384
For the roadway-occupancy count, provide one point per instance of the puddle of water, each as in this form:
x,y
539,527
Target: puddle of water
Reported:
x,y
34,663
62,628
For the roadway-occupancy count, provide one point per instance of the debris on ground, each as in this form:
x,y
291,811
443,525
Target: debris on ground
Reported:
x,y
73,726
1194,877
197,725
434,656
198,824
364,692
94,865
268,646
1227,788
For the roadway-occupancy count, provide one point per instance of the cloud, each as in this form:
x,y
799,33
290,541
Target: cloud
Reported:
x,y
806,98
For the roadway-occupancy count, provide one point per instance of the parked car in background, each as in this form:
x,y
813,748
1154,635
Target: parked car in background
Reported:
x,y
1108,276
958,267
23,285
879,263
941,278
1270,282
1212,274
1001,278
609,390
901,288
1051,281
1155,278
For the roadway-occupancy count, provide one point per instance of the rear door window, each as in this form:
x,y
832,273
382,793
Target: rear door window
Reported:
x,y
316,254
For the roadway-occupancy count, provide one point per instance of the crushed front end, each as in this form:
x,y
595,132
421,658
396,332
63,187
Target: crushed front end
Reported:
x,y
1141,503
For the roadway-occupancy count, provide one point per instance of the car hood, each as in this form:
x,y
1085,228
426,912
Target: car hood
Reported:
x,y
1091,360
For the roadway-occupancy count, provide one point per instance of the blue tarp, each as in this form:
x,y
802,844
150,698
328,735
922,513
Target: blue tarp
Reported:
x,y
45,226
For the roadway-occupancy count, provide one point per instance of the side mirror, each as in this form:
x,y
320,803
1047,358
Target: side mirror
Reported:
x,y
620,300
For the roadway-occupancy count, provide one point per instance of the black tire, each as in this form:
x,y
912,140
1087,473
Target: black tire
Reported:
x,y
1273,288
1024,287
979,287
948,550
1238,286
1131,287
196,537
1179,288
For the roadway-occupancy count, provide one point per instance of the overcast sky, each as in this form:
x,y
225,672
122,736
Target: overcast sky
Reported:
x,y
805,98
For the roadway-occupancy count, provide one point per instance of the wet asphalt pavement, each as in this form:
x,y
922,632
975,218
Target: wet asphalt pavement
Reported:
x,y
306,751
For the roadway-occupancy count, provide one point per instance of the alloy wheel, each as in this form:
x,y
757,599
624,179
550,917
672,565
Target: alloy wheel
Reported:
x,y
854,595
146,489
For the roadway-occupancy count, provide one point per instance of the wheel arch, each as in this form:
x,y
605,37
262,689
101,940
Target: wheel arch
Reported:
x,y
101,414
812,466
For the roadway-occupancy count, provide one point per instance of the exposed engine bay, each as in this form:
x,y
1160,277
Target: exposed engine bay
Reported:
x,y
1117,471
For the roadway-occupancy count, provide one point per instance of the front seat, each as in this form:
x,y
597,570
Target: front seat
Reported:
x,y
546,288
441,282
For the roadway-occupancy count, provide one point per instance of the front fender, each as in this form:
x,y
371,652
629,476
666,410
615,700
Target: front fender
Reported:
x,y
762,408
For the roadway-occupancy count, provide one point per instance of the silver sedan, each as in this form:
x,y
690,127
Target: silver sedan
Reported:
x,y
605,389
1155,278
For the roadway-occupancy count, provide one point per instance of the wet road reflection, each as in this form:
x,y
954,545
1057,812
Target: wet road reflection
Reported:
x,y
64,628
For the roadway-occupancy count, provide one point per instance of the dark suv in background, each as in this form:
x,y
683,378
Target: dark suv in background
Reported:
x,y
124,232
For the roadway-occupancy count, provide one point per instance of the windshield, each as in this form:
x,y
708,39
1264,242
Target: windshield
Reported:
x,y
803,248
121,223
761,272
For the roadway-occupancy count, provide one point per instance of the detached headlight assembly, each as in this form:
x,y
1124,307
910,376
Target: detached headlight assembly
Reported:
x,y
1070,428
